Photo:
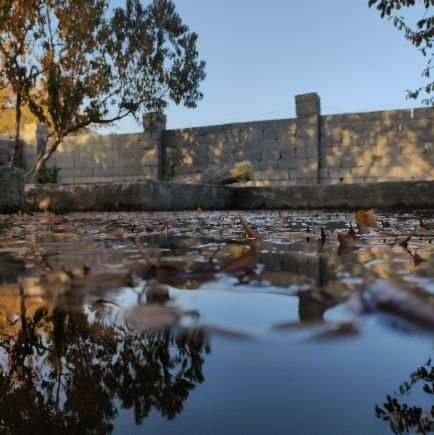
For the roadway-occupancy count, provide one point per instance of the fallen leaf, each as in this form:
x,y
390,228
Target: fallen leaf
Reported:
x,y
425,225
51,219
385,223
349,238
247,260
249,232
365,219
282,220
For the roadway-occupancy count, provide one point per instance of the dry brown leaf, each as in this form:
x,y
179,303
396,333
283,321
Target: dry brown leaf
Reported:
x,y
365,219
282,220
247,260
249,232
349,238
51,219
60,231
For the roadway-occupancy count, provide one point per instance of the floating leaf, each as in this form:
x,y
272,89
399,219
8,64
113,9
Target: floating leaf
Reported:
x,y
365,219
249,232
349,238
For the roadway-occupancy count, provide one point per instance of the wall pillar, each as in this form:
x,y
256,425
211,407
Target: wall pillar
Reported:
x,y
154,124
33,137
308,110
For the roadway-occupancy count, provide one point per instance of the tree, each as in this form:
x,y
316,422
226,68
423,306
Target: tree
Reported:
x,y
422,36
8,112
18,70
97,69
61,372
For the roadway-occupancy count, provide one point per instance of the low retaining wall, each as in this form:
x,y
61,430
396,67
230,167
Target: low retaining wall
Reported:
x,y
160,195
11,188
403,195
124,196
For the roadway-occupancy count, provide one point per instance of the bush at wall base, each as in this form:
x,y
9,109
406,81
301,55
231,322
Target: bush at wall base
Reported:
x,y
48,175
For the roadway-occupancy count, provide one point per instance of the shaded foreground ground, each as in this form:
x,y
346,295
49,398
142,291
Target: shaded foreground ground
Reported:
x,y
180,323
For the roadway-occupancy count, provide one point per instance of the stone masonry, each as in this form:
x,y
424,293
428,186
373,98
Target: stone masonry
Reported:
x,y
310,149
113,157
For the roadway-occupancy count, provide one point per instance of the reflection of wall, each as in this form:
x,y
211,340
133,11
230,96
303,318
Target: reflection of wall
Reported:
x,y
307,150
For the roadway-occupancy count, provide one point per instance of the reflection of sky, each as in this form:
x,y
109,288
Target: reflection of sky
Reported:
x,y
259,386
244,312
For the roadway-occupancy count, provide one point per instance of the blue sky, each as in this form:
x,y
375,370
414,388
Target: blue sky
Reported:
x,y
260,53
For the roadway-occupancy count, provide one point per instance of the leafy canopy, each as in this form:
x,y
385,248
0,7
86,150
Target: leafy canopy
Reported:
x,y
422,36
95,66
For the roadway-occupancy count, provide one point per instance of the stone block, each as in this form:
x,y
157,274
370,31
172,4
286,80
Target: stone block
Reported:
x,y
360,171
307,104
65,172
324,173
287,164
64,180
87,172
128,163
307,148
154,120
347,162
270,155
272,133
268,164
339,173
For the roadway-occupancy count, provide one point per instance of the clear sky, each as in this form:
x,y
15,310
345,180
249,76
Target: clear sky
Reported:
x,y
260,53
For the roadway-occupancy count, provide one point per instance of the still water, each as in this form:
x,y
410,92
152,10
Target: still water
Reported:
x,y
180,323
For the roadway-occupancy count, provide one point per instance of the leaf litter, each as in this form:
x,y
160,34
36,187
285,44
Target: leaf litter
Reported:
x,y
140,259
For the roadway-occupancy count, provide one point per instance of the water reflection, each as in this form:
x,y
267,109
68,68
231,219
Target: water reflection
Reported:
x,y
404,417
84,321
60,372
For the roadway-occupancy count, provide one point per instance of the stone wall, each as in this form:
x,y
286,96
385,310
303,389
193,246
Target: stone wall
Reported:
x,y
207,153
310,149
378,146
114,157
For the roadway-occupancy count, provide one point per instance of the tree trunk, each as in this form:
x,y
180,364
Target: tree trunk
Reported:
x,y
18,148
43,157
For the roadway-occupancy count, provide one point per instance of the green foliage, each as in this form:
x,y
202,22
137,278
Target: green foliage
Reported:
x,y
422,36
48,174
404,417
243,171
94,67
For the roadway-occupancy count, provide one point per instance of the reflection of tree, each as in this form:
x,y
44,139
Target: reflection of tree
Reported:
x,y
60,373
404,418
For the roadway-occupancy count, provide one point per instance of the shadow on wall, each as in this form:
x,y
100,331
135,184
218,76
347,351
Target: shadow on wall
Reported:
x,y
311,149
377,146
207,154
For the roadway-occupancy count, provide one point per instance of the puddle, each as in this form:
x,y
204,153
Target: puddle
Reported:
x,y
180,323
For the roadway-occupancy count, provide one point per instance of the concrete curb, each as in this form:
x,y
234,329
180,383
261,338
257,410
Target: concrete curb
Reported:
x,y
161,195
402,195
127,196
